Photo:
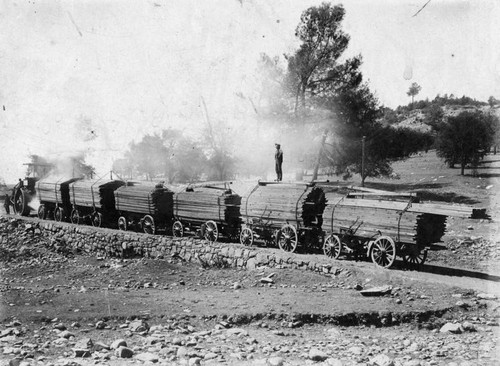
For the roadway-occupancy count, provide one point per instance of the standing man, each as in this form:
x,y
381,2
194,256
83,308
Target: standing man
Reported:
x,y
278,158
6,204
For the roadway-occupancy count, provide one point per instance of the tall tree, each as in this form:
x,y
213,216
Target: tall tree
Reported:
x,y
314,68
413,91
466,138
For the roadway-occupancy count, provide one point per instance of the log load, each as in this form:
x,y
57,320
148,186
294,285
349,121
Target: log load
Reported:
x,y
275,204
54,190
199,204
94,193
145,198
392,219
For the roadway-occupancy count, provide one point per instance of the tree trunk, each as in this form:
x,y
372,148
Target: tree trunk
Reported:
x,y
316,168
462,168
296,106
303,96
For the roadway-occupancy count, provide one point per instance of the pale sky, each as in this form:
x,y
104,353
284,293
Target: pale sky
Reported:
x,y
92,76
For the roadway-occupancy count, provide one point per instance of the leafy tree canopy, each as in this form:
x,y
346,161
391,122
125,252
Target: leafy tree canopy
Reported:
x,y
315,69
168,155
466,138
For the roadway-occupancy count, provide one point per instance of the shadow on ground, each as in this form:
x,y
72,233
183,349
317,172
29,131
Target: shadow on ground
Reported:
x,y
447,271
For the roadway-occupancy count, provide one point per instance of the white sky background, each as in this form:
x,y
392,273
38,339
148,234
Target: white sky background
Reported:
x,y
94,75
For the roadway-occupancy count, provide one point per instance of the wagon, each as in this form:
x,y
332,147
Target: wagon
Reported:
x,y
144,205
380,229
53,194
93,200
209,209
283,214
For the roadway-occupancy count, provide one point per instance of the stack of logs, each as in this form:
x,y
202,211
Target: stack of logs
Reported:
x,y
200,204
275,204
53,189
144,198
406,222
94,193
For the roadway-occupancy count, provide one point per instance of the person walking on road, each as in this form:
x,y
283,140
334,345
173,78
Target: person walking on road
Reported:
x,y
278,158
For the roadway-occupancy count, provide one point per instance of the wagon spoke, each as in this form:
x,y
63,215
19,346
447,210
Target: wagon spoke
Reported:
x,y
287,238
148,225
332,246
246,236
383,252
211,232
178,229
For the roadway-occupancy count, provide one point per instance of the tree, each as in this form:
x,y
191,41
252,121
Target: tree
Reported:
x,y
466,138
434,116
80,167
149,156
492,101
413,91
168,154
319,81
314,68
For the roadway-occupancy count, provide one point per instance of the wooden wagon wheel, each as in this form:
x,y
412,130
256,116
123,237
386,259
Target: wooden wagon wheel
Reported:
x,y
246,236
178,229
122,223
332,246
414,256
59,214
383,252
96,219
75,216
21,207
148,225
211,233
287,238
42,212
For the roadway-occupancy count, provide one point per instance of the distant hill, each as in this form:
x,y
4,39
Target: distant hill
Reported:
x,y
421,115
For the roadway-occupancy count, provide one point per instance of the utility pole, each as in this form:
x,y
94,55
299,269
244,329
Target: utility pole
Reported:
x,y
363,161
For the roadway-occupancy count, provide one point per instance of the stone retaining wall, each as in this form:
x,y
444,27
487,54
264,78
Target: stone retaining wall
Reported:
x,y
114,243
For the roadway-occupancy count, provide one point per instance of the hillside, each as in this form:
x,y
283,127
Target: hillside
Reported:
x,y
421,114
416,118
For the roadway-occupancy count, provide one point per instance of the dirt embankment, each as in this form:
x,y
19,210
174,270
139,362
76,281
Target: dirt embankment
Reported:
x,y
59,306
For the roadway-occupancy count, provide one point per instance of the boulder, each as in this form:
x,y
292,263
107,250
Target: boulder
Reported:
x,y
80,352
317,355
381,360
124,352
451,328
138,326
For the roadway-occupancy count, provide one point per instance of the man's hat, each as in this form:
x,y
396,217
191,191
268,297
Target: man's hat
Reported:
x,y
277,144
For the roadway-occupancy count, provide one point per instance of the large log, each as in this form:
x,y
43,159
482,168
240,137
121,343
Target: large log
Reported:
x,y
94,193
199,204
274,204
404,222
54,190
144,198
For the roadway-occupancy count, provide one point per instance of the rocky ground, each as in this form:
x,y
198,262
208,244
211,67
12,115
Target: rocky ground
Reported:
x,y
59,307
